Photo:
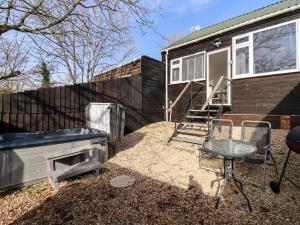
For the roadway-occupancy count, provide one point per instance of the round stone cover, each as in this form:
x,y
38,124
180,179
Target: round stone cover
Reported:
x,y
122,181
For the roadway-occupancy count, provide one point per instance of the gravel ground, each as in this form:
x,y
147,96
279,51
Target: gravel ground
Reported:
x,y
169,189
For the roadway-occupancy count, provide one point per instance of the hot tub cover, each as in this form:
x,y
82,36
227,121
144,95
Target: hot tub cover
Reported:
x,y
18,140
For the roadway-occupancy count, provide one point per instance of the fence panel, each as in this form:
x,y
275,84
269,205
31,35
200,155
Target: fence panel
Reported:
x,y
64,107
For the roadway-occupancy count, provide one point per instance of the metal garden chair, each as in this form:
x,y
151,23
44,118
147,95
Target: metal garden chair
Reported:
x,y
218,129
258,133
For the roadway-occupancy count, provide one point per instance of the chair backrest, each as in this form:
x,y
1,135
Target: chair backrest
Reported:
x,y
220,129
258,133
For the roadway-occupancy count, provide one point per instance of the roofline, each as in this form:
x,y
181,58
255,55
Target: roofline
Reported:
x,y
118,65
233,27
126,63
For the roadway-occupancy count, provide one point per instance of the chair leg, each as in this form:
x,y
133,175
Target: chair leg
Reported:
x,y
265,170
273,159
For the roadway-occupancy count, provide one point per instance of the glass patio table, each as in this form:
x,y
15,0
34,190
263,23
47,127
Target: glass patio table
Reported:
x,y
231,150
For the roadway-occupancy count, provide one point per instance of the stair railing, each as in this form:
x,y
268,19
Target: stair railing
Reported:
x,y
219,83
189,84
224,87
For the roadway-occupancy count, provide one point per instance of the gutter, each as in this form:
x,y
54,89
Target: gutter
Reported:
x,y
234,27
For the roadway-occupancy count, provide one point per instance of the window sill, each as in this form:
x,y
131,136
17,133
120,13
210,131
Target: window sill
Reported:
x,y
186,81
265,74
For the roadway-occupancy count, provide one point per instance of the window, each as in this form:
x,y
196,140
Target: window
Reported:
x,y
242,40
267,51
275,49
175,70
242,60
188,68
175,74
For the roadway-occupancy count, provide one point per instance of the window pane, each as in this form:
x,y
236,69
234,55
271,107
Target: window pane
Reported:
x,y
175,74
242,61
242,40
191,68
184,70
275,49
199,66
176,62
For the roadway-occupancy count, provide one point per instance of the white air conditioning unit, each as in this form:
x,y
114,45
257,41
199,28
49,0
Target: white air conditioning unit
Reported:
x,y
108,117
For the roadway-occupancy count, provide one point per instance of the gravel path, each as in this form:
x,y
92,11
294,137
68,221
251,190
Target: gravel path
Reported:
x,y
169,189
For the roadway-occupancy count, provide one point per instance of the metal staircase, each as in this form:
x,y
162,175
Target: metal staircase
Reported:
x,y
194,126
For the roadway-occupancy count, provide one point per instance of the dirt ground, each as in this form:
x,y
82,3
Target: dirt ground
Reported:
x,y
169,189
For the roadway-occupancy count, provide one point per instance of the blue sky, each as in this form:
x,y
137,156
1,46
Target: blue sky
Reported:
x,y
178,16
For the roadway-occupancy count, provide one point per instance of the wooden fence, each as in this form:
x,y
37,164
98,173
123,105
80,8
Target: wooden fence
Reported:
x,y
64,107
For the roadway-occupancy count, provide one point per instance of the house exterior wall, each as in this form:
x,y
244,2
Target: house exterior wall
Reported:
x,y
266,95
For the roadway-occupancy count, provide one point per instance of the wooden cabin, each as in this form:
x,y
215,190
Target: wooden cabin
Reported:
x,y
244,68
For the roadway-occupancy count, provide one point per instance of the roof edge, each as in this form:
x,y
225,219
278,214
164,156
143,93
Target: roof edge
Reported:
x,y
119,65
127,63
233,27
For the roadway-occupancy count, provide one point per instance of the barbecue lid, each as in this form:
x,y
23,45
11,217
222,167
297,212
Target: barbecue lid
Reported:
x,y
294,135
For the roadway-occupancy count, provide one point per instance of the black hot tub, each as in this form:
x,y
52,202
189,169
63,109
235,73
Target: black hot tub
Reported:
x,y
22,155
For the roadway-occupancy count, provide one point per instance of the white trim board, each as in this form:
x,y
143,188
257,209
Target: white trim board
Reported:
x,y
179,66
228,49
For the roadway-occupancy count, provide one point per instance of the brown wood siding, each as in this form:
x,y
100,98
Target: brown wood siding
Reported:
x,y
153,89
274,95
132,68
278,94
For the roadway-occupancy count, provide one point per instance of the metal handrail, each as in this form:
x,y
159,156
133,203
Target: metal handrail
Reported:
x,y
220,81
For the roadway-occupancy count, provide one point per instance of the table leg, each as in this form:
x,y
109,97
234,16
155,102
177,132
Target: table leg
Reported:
x,y
239,185
223,187
241,189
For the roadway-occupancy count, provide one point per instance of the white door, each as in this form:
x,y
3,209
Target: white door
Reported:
x,y
218,64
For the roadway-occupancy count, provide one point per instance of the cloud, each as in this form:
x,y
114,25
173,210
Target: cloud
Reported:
x,y
181,7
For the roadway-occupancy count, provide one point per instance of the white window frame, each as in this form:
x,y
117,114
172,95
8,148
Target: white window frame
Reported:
x,y
175,67
251,60
180,68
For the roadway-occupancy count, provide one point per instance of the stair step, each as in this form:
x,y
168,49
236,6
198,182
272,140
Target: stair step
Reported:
x,y
205,110
191,141
199,117
219,92
195,124
199,106
192,132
